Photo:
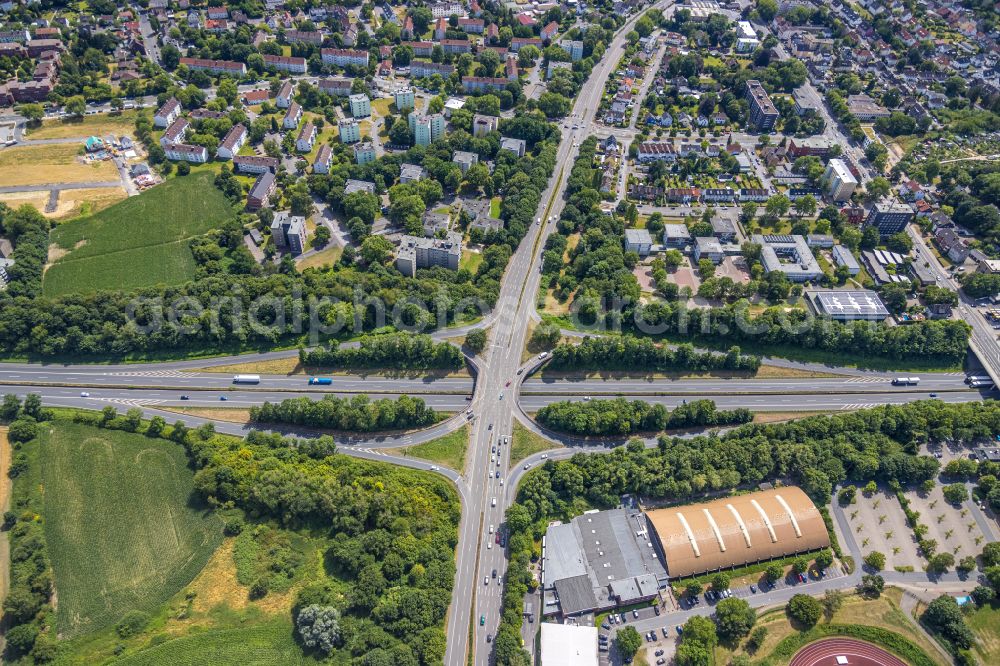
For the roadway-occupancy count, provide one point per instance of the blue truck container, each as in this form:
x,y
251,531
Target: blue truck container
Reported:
x,y
323,381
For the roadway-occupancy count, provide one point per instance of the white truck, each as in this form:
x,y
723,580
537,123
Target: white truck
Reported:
x,y
246,379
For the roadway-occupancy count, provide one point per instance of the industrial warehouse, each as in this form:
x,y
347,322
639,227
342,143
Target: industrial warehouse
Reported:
x,y
604,559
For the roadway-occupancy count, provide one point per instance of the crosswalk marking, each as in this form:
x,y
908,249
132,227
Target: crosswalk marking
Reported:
x,y
867,380
133,402
861,405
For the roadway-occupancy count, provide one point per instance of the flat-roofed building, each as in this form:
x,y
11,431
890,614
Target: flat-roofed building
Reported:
x,y
842,256
638,241
763,113
738,530
839,180
361,106
848,305
676,236
568,645
788,254
415,252
403,99
889,217
865,108
350,130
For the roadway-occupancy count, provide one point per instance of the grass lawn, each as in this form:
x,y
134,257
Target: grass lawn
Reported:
x,y
495,207
985,623
448,450
121,527
470,260
252,646
526,443
325,257
381,105
101,125
139,242
45,165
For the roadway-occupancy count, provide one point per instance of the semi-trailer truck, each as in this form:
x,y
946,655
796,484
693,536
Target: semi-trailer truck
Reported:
x,y
323,381
246,379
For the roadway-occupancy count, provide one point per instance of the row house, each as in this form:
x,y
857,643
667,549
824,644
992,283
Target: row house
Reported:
x,y
757,194
37,47
549,31
19,36
290,64
344,57
475,26
683,195
231,144
646,192
719,194
186,152
517,43
216,27
230,67
218,12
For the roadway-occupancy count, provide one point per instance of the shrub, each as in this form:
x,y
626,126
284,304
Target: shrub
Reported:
x,y
132,623
956,493
233,526
22,430
875,560
846,495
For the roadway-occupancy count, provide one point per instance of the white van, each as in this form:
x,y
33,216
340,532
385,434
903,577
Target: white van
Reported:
x,y
494,501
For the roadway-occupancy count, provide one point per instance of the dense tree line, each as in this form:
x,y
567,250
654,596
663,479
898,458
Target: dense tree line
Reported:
x,y
355,414
28,231
623,417
399,351
628,352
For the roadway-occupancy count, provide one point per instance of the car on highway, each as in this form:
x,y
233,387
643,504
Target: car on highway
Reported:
x,y
508,383
482,620
501,395
498,474
494,573
491,529
933,395
544,456
434,468
527,465
635,614
223,398
494,501
185,397
486,580
84,394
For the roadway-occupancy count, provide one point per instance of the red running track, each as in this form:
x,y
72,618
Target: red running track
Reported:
x,y
825,652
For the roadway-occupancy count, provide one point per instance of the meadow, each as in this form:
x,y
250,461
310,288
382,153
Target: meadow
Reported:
x,y
139,242
101,125
250,646
52,164
122,529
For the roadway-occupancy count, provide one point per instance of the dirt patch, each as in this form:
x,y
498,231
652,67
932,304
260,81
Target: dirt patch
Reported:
x,y
227,414
777,372
56,253
18,199
777,417
734,268
217,586
77,203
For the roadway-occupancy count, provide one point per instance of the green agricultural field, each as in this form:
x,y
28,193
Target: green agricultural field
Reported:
x,y
120,525
139,242
252,646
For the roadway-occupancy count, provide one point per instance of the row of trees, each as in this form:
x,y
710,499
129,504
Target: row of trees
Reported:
x,y
399,351
628,352
623,417
355,414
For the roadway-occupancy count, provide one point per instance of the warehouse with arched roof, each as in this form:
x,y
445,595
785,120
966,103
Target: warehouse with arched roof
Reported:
x,y
738,530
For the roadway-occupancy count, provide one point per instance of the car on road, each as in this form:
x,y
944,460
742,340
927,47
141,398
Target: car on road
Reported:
x,y
680,630
505,440
753,588
84,394
482,620
544,456
498,475
493,449
494,501
497,537
933,395
635,613
223,398
468,397
490,427
527,465
520,370
185,397
491,529
656,609
665,632
494,573
501,480
501,395
486,580
434,468
489,638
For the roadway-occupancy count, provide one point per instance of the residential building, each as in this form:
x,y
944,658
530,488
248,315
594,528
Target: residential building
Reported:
x,y
237,69
167,113
638,241
515,146
656,151
253,97
724,229
839,181
364,152
337,86
746,37
889,217
344,57
549,31
307,138
465,159
453,104
483,125
175,132
426,129
350,130
232,143
411,173
435,222
186,152
683,195
424,69
763,113
314,37
322,162
285,95
254,164
352,186
288,232
718,195
261,191
483,83
790,255
404,99
952,245
574,48
415,253
290,64
818,146
292,116
361,106
456,46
